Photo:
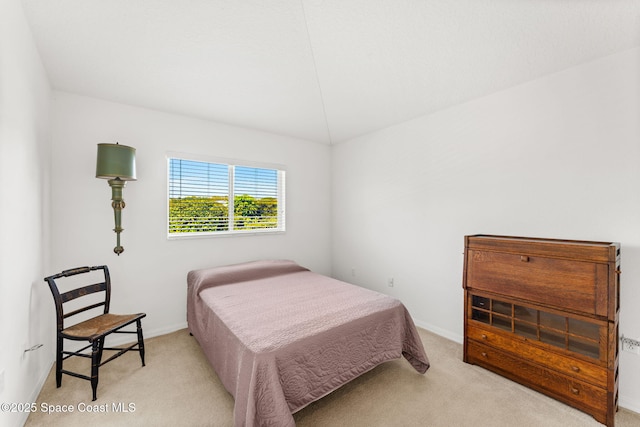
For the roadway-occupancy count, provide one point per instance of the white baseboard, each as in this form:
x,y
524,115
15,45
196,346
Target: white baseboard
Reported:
x,y
33,396
438,331
629,405
165,330
119,339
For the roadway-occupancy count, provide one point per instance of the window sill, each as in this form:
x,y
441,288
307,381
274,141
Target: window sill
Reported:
x,y
183,236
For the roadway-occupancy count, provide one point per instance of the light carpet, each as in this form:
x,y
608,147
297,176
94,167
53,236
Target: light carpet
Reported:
x,y
179,388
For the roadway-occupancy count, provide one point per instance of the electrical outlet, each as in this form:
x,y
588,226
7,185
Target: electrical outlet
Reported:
x,y
390,282
630,345
1,381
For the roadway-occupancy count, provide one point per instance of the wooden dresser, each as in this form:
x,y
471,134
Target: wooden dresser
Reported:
x,y
544,313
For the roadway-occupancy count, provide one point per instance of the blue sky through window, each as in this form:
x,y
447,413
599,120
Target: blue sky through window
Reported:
x,y
204,179
256,182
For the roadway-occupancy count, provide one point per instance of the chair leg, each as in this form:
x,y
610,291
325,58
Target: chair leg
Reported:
x,y
140,340
100,348
59,349
96,349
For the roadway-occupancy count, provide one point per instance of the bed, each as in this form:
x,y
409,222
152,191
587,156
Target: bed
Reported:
x,y
280,336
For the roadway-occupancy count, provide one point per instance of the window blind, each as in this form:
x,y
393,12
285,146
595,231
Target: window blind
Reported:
x,y
199,200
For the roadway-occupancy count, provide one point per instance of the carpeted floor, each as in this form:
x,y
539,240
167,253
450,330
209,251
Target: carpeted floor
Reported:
x,y
178,388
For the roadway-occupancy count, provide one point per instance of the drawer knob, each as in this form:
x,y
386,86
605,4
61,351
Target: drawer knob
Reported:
x,y
575,368
575,391
484,354
524,258
484,337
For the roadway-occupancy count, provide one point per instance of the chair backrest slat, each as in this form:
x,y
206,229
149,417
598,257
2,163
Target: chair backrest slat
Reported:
x,y
78,292
80,310
74,271
85,290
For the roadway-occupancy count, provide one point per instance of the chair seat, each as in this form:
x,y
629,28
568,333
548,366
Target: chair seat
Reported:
x,y
99,326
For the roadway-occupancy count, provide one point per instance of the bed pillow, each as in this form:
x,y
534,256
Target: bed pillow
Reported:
x,y
198,280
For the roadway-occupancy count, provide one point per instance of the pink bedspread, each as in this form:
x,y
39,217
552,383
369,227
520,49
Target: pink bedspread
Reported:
x,y
280,336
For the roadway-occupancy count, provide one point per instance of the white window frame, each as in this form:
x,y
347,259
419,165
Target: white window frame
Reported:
x,y
232,163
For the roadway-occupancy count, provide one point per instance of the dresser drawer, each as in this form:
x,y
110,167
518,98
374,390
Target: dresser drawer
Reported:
x,y
580,286
521,347
577,393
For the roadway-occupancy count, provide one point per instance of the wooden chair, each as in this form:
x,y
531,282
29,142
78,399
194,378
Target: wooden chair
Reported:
x,y
93,330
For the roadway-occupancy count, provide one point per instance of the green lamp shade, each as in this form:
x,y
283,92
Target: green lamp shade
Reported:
x,y
116,161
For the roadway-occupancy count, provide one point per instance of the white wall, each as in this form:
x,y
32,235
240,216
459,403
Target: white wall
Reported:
x,y
26,306
557,157
150,275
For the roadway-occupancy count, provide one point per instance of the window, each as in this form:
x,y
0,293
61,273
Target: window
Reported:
x,y
199,201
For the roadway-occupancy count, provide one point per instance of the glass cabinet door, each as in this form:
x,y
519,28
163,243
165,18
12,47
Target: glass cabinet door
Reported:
x,y
578,336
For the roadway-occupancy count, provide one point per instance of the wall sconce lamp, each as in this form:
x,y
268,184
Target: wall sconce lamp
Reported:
x,y
117,163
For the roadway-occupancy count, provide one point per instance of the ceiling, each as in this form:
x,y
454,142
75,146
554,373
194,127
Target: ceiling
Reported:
x,y
320,70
